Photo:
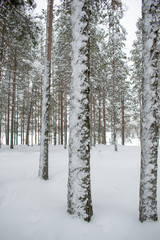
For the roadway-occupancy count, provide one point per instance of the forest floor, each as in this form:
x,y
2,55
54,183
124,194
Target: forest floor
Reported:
x,y
33,209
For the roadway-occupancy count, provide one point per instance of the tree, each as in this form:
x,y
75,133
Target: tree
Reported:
x,y
149,131
118,70
79,189
136,77
62,72
43,165
18,36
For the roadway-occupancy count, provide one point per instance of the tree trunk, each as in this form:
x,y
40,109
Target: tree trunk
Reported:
x,y
43,166
13,101
61,116
29,115
94,121
99,119
8,111
1,58
55,128
115,132
91,113
23,120
79,189
17,122
123,123
65,118
104,117
35,123
149,135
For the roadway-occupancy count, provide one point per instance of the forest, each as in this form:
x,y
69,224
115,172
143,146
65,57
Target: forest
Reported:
x,y
115,105
66,81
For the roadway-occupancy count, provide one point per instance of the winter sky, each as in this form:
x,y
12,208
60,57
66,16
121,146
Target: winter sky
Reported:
x,y
132,14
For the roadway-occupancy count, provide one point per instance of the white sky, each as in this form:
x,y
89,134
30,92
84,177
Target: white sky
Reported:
x,y
129,20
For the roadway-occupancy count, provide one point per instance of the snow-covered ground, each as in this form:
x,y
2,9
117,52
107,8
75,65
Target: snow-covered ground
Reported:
x,y
32,209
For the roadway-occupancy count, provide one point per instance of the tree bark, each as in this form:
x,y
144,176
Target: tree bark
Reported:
x,y
94,121
43,166
99,118
149,135
79,189
1,58
8,111
65,117
123,122
13,102
61,116
104,117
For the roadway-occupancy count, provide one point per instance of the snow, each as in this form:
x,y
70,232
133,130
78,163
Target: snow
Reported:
x,y
33,209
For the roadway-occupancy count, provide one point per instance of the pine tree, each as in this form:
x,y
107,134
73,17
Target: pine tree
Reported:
x,y
62,72
43,165
136,78
149,135
20,32
79,189
117,70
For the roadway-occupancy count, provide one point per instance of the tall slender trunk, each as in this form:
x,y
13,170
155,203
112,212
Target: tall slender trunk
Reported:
x,y
32,127
104,117
99,118
17,122
13,101
61,116
65,117
91,115
114,113
23,120
8,111
123,123
140,115
94,121
1,58
29,115
39,106
55,128
43,166
35,123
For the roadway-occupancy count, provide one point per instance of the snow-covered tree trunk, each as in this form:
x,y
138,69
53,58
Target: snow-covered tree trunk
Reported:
x,y
43,165
79,189
149,131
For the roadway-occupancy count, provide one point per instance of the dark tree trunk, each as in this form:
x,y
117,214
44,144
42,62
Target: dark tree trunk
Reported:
x,y
8,112
123,122
13,102
99,119
104,117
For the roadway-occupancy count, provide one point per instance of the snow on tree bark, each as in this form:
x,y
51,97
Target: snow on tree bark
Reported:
x,y
79,189
149,137
43,164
